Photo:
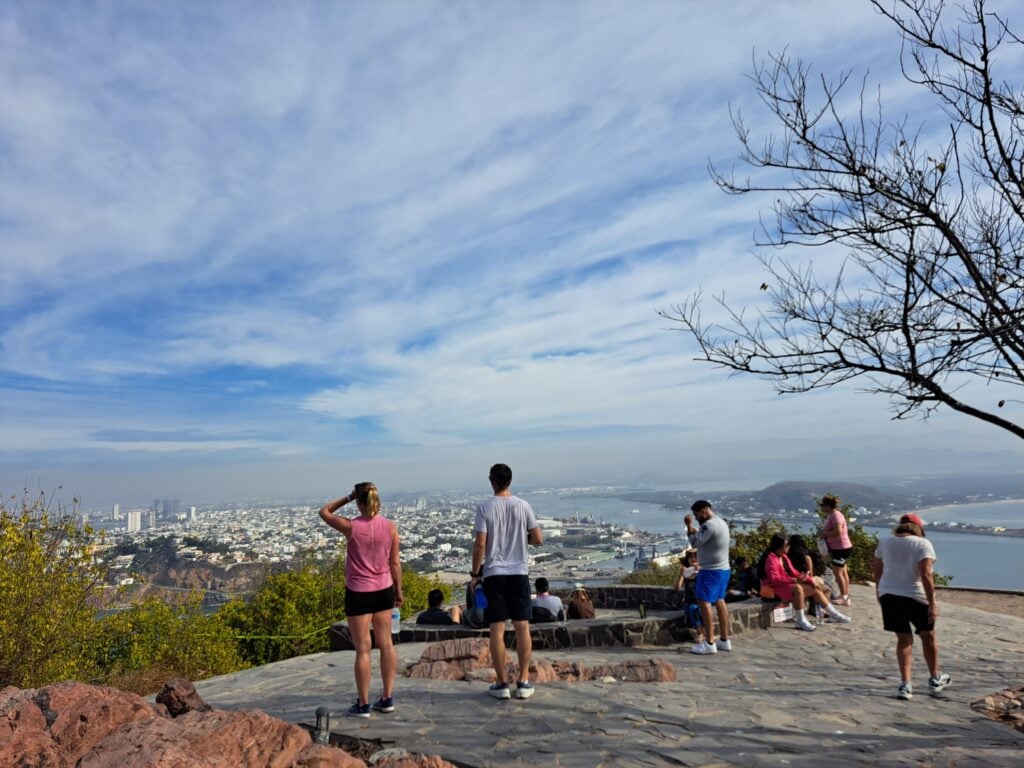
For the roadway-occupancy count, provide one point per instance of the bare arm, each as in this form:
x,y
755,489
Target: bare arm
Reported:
x,y
479,551
678,584
328,515
535,537
396,565
876,573
924,567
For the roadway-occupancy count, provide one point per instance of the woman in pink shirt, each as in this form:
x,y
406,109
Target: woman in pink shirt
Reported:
x,y
837,537
373,586
789,585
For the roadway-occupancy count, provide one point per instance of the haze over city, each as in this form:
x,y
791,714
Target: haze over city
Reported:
x,y
265,251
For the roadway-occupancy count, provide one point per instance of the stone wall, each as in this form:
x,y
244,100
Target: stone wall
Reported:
x,y
618,622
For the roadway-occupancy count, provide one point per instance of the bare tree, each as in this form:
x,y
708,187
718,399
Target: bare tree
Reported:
x,y
929,296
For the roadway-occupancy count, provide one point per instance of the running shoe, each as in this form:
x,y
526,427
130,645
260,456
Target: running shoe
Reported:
x,y
905,692
500,691
939,683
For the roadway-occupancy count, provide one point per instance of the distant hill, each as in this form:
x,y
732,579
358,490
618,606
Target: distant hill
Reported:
x,y
802,494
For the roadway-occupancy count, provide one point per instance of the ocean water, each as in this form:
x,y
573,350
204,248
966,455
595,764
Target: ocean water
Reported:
x,y
988,562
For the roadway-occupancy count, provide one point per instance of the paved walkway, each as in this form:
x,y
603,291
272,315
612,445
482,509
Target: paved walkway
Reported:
x,y
781,698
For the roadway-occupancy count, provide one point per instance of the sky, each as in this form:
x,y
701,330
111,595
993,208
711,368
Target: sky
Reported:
x,y
266,250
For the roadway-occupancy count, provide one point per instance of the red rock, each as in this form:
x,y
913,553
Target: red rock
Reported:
x,y
81,716
461,664
180,696
473,648
24,740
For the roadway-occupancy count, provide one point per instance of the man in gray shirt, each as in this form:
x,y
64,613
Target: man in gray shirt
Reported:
x,y
712,540
504,526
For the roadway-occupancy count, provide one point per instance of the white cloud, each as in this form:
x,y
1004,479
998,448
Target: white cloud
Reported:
x,y
447,221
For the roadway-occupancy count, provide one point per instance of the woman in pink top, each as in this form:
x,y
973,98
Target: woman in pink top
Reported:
x,y
837,537
373,586
789,585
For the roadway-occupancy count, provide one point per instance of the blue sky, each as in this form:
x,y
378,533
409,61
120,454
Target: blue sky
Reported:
x,y
267,250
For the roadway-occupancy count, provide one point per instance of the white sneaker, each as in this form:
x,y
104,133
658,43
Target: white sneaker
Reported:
x,y
805,625
724,645
704,648
839,618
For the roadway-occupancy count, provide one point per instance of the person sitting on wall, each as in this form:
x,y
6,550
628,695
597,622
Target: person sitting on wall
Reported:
x,y
745,583
435,615
545,606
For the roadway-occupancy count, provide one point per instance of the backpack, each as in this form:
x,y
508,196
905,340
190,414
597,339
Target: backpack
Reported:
x,y
473,616
580,606
541,615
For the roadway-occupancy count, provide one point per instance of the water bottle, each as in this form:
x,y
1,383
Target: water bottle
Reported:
x,y
396,620
819,613
479,598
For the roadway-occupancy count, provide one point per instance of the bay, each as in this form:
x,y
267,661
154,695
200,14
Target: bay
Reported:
x,y
973,560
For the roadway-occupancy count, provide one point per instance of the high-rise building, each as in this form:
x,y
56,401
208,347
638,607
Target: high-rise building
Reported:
x,y
192,514
116,515
152,519
134,520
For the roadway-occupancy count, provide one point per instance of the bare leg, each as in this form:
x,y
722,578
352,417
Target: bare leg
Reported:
x,y
524,648
456,613
904,654
498,650
723,619
842,579
798,597
359,628
931,652
709,622
388,657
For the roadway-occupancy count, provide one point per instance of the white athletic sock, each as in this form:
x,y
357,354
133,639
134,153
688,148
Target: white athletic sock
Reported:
x,y
800,615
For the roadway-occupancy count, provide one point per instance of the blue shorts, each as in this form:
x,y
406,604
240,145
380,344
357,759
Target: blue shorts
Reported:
x,y
712,585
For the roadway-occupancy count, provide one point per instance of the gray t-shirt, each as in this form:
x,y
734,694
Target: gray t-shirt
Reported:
x,y
713,544
505,520
901,557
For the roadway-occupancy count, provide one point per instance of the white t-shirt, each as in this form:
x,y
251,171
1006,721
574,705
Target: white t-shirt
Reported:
x,y
505,520
900,556
552,602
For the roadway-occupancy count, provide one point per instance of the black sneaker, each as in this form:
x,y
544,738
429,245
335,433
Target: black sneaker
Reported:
x,y
359,710
500,691
384,705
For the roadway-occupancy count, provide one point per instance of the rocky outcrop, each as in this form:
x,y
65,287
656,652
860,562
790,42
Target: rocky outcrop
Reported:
x,y
180,696
1007,706
470,659
84,726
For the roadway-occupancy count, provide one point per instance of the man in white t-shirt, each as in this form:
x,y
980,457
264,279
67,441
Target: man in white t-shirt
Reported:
x,y
546,600
504,525
905,586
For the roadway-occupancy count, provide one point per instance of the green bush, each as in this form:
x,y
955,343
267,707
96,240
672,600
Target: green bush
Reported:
x,y
50,590
653,575
140,647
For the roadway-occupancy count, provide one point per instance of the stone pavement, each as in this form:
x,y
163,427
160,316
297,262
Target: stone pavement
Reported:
x,y
781,698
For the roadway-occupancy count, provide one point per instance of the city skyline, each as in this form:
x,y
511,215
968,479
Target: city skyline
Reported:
x,y
268,252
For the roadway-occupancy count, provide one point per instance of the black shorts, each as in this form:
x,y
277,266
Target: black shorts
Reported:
x,y
361,603
508,597
899,612
839,556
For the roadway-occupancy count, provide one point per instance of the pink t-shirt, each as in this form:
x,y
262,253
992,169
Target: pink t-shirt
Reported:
x,y
834,530
368,563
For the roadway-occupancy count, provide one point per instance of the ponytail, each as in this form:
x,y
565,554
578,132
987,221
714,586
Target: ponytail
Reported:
x,y
366,494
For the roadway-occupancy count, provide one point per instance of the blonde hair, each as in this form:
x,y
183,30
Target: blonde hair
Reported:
x,y
366,495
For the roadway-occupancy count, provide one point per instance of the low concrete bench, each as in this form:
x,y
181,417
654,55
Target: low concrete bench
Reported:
x,y
618,622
